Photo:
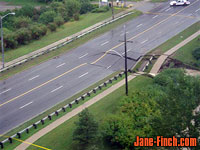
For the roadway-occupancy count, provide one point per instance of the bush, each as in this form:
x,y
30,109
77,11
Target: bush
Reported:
x,y
47,17
22,22
23,35
43,29
59,20
85,6
52,26
101,9
73,7
36,31
10,39
196,53
27,10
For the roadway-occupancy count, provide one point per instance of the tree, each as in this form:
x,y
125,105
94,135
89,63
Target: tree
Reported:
x,y
182,96
86,131
73,7
23,36
22,22
59,20
47,17
27,10
85,6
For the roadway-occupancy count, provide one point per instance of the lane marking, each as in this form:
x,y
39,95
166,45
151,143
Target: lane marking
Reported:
x,y
167,9
197,10
60,65
5,91
126,51
83,56
144,41
99,57
56,89
108,67
33,77
43,84
26,142
83,75
104,43
26,105
155,16
143,32
139,25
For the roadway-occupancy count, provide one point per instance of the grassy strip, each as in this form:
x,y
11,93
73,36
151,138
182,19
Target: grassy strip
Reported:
x,y
23,2
66,48
65,30
61,137
184,54
53,109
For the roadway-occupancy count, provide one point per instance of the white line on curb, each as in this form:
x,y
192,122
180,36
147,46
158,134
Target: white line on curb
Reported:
x,y
33,78
83,75
26,105
60,65
56,89
155,16
83,56
5,91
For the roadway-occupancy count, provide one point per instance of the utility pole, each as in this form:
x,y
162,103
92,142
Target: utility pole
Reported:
x,y
112,11
126,73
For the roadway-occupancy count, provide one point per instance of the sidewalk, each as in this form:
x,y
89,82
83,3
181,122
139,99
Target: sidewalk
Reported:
x,y
64,40
74,112
156,67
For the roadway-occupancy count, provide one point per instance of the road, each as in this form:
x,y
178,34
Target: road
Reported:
x,y
35,90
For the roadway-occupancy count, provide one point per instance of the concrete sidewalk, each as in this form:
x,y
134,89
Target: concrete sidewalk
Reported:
x,y
74,112
156,67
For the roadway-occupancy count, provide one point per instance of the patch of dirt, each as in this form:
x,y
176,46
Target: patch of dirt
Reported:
x,y
5,6
192,72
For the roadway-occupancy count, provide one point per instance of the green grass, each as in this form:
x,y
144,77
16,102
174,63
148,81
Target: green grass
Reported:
x,y
65,30
61,137
66,48
23,2
184,54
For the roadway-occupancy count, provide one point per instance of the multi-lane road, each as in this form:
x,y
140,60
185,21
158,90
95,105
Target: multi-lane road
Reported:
x,y
29,93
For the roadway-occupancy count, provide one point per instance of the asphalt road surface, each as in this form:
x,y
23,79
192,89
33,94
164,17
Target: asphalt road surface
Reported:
x,y
33,91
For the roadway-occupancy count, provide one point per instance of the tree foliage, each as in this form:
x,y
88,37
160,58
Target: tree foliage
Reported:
x,y
86,131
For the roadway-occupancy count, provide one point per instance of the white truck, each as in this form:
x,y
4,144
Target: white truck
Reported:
x,y
179,2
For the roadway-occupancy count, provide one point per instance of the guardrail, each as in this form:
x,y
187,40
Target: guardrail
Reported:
x,y
64,43
62,109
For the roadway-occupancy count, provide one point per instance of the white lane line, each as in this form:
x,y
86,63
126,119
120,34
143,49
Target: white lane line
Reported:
x,y
167,9
155,16
56,89
144,41
104,43
83,75
176,22
139,25
33,77
108,67
126,51
26,105
5,91
197,10
83,56
60,65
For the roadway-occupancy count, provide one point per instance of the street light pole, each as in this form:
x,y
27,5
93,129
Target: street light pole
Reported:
x,y
126,74
2,47
2,43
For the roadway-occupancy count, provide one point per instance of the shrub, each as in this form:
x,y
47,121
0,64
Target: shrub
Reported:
x,y
36,31
47,17
85,6
76,16
73,7
21,22
196,53
59,20
101,9
23,35
27,10
10,40
43,29
52,26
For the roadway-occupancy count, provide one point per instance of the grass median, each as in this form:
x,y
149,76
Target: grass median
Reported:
x,y
67,47
61,137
